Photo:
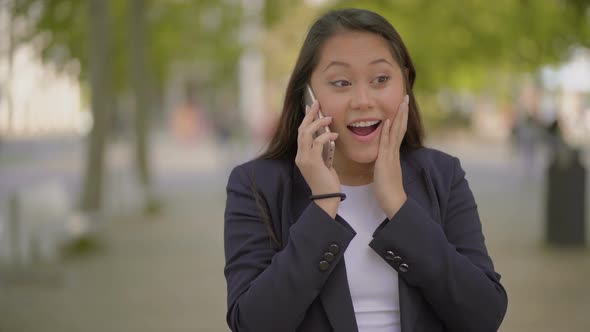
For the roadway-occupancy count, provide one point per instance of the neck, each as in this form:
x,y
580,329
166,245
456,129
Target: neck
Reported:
x,y
352,173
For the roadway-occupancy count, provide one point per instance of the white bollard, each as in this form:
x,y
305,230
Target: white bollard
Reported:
x,y
37,219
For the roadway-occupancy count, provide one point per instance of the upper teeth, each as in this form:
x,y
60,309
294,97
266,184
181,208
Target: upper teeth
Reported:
x,y
364,123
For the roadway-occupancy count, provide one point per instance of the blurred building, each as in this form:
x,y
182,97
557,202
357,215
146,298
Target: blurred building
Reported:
x,y
36,98
568,93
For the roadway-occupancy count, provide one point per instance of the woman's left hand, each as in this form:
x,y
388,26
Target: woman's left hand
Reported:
x,y
387,177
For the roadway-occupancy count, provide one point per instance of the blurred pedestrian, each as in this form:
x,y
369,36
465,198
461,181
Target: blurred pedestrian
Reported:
x,y
190,123
389,238
529,131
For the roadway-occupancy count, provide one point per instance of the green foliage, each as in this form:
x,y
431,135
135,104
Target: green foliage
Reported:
x,y
475,45
284,39
84,246
53,21
454,44
277,10
203,32
458,44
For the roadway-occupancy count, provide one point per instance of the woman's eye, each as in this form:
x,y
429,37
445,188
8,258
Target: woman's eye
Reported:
x,y
382,79
341,83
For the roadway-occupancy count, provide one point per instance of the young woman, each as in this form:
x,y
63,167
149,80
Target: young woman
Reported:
x,y
403,252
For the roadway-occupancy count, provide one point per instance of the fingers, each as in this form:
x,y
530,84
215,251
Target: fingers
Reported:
x,y
394,130
398,129
404,120
319,142
308,155
306,133
311,122
384,141
310,114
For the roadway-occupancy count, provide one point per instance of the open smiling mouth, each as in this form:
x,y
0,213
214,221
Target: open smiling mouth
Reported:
x,y
365,129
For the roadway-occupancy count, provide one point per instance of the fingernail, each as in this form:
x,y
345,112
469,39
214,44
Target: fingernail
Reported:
x,y
306,109
407,99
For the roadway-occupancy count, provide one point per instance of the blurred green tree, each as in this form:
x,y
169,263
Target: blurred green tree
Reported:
x,y
102,100
139,43
140,79
458,45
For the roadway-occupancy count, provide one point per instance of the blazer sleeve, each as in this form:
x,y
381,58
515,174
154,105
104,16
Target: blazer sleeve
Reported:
x,y
270,289
449,264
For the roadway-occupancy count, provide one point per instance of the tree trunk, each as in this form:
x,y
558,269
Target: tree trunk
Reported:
x,y
101,102
140,81
11,5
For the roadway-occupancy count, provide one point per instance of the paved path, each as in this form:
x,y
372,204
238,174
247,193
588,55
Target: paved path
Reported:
x,y
165,274
547,287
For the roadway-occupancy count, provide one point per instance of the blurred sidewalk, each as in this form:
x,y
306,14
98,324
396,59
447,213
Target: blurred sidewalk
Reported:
x,y
547,287
166,273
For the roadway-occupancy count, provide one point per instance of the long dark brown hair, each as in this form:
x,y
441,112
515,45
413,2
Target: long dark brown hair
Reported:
x,y
283,144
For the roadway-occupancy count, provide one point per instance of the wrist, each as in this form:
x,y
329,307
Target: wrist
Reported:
x,y
395,206
329,205
342,196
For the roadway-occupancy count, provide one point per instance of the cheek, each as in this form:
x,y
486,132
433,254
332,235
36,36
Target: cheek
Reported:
x,y
390,103
335,110
332,106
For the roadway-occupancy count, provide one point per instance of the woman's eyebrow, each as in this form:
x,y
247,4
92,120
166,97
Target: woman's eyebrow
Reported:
x,y
344,64
380,61
336,63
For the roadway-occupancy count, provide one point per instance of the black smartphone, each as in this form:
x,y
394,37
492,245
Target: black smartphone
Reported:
x,y
330,146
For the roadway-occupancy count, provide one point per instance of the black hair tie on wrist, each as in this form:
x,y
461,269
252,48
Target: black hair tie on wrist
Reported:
x,y
341,195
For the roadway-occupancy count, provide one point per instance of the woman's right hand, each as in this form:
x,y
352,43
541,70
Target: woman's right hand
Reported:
x,y
320,178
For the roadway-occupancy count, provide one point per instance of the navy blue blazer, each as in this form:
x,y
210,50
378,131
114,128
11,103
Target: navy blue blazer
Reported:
x,y
446,280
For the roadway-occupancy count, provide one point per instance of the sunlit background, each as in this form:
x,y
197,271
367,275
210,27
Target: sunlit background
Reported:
x,y
121,120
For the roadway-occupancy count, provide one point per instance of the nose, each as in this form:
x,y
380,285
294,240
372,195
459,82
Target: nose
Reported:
x,y
361,98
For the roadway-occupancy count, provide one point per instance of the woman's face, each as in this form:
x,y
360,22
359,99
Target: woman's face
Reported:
x,y
359,84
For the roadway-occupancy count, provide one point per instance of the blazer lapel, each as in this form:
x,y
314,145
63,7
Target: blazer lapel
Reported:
x,y
337,301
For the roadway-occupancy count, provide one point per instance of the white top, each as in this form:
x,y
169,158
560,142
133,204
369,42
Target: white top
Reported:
x,y
373,283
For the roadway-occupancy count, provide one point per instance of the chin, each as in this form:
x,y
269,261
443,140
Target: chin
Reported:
x,y
364,157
